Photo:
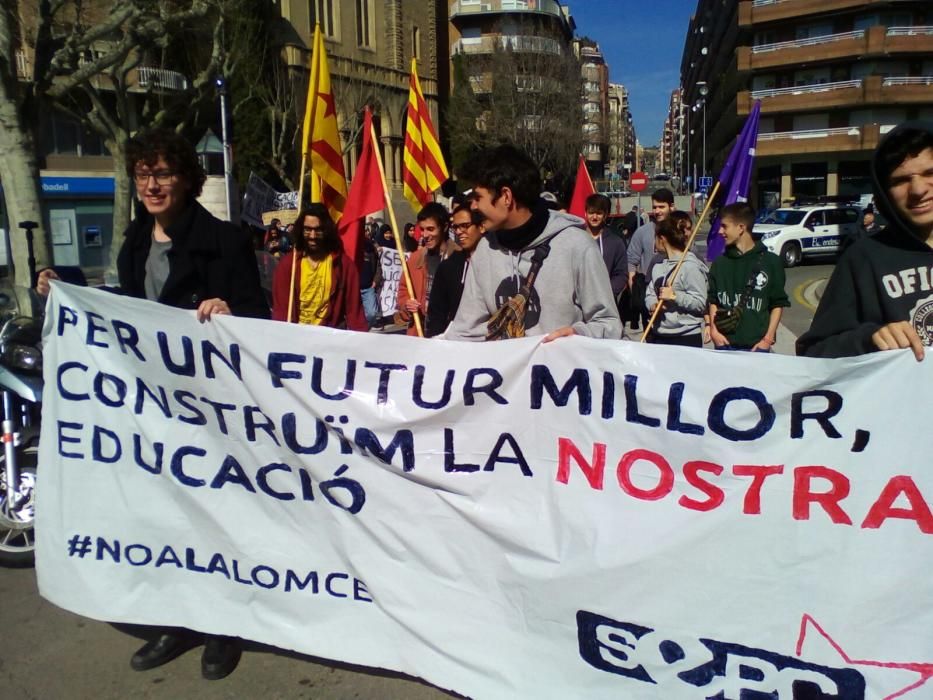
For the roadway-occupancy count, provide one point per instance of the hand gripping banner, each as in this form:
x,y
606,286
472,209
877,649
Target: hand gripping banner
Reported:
x,y
584,518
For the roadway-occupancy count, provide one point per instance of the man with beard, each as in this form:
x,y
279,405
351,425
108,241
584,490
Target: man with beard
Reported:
x,y
571,293
317,281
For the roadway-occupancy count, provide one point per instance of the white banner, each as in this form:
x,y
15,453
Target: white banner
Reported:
x,y
584,518
391,263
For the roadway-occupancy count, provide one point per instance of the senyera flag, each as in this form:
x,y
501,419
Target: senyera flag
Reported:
x,y
320,137
582,189
423,167
735,176
366,193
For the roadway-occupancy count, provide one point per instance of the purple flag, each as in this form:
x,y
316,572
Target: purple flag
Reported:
x,y
735,176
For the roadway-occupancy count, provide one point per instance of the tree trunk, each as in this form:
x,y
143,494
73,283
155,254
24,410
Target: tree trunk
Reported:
x,y
19,173
122,206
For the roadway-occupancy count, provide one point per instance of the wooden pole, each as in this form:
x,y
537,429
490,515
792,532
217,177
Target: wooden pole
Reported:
x,y
395,229
693,235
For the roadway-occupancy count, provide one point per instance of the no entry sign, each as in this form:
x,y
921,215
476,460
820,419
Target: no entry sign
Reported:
x,y
637,182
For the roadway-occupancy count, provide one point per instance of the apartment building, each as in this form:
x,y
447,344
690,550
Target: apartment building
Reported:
x,y
621,132
832,77
370,45
518,57
595,74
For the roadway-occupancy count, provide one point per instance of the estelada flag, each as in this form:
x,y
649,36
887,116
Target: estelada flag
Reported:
x,y
320,137
366,194
423,167
582,189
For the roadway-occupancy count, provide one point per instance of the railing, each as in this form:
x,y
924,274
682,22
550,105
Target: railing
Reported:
x,y
23,69
464,7
806,89
810,133
908,80
522,44
811,41
759,3
162,79
909,31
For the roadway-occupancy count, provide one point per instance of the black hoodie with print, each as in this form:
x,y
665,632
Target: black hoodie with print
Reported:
x,y
880,279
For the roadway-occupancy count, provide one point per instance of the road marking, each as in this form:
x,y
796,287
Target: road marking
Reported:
x,y
804,292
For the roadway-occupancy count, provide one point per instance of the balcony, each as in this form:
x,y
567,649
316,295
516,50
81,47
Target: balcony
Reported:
x,y
23,66
875,41
850,138
753,12
873,90
160,80
516,43
486,7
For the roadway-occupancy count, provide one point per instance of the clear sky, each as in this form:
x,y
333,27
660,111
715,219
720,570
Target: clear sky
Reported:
x,y
642,41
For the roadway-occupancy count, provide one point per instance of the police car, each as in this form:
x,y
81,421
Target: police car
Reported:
x,y
797,232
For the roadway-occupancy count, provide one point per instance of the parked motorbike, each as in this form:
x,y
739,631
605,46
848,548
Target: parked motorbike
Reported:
x,y
21,396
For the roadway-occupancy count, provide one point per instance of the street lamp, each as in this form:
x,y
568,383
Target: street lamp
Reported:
x,y
703,89
220,84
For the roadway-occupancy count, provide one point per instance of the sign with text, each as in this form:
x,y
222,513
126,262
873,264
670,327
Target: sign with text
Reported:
x,y
582,518
638,182
391,263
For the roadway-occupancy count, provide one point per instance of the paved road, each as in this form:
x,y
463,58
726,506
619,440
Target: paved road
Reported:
x,y
49,654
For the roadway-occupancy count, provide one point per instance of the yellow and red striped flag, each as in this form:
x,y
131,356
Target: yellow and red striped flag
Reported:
x,y
320,136
423,169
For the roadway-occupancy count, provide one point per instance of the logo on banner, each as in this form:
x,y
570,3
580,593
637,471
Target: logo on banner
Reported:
x,y
721,669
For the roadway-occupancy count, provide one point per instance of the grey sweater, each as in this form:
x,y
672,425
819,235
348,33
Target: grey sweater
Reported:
x,y
683,315
572,288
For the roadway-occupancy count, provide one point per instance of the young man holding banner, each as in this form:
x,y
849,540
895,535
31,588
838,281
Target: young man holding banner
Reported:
x,y
746,286
880,296
569,292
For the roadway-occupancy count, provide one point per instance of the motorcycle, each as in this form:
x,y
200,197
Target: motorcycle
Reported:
x,y
21,397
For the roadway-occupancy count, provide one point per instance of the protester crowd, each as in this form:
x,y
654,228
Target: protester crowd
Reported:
x,y
505,262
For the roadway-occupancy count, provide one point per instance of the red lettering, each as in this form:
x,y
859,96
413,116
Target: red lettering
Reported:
x,y
665,482
715,495
758,472
829,500
593,472
884,508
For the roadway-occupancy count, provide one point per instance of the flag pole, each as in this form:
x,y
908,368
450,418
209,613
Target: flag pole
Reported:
x,y
690,241
395,229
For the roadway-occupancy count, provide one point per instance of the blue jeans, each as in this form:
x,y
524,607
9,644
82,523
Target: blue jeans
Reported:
x,y
370,305
738,349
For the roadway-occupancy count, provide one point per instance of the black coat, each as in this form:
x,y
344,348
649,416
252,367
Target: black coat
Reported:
x,y
446,291
209,259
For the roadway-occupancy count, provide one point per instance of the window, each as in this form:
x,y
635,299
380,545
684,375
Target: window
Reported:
x,y
416,43
364,23
325,13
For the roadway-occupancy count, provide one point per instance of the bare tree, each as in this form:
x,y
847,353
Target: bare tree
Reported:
x,y
112,67
520,91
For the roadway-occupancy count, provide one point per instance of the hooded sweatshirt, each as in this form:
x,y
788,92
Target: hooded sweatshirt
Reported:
x,y
683,315
572,288
728,278
880,279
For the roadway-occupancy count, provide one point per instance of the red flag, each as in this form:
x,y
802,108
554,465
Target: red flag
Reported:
x,y
582,189
366,194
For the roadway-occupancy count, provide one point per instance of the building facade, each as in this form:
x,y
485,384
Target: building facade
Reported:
x,y
515,78
621,133
369,46
595,74
832,77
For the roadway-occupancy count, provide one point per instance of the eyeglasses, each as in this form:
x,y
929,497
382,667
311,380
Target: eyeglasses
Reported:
x,y
162,177
456,228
